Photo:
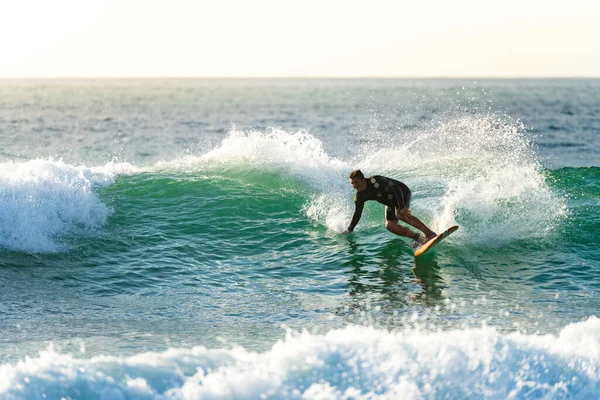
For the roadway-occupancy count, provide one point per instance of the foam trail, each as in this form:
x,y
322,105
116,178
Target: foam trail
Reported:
x,y
44,201
350,363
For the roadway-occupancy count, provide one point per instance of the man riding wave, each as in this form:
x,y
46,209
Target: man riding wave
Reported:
x,y
396,197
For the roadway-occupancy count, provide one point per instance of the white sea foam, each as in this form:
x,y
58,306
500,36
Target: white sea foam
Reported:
x,y
350,363
44,201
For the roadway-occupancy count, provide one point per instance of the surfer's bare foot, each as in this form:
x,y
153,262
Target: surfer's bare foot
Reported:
x,y
418,240
429,237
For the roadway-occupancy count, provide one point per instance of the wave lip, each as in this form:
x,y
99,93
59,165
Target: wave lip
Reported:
x,y
350,363
299,153
44,201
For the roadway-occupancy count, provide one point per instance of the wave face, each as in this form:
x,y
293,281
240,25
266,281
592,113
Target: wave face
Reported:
x,y
490,183
350,363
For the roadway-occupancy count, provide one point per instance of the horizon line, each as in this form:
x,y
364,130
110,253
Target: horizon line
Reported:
x,y
296,77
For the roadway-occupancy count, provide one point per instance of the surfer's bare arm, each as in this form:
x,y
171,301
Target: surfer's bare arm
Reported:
x,y
358,209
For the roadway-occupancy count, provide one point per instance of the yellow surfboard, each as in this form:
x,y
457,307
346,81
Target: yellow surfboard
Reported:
x,y
428,245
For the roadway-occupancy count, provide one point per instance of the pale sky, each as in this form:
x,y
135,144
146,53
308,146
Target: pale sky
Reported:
x,y
308,38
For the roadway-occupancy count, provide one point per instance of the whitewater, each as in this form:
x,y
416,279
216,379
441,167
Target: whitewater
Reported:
x,y
353,363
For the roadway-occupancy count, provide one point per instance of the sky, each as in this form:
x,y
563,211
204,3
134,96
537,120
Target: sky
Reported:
x,y
324,38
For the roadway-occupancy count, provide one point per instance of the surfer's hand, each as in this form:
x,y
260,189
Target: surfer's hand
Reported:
x,y
405,212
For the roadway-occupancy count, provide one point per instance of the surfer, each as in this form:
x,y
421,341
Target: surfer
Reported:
x,y
396,197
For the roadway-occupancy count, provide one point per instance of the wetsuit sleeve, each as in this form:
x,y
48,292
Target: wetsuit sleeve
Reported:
x,y
358,209
399,195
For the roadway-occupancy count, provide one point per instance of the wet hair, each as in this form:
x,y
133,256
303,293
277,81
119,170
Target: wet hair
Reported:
x,y
357,174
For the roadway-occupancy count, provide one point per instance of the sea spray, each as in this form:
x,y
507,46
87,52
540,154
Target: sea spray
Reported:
x,y
479,172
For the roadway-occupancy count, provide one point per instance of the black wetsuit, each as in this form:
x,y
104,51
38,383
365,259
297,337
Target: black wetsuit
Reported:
x,y
394,194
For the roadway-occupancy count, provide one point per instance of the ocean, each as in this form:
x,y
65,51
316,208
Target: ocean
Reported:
x,y
181,239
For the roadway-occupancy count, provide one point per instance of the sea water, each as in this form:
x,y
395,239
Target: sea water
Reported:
x,y
180,239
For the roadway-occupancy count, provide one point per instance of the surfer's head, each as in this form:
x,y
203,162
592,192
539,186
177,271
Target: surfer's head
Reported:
x,y
357,173
357,180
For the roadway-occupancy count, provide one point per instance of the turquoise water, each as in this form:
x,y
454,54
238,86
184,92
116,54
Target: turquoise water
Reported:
x,y
181,239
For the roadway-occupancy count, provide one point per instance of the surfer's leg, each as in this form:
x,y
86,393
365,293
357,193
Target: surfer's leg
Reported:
x,y
416,222
400,230
409,219
391,224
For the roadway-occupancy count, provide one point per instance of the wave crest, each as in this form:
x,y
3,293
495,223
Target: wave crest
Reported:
x,y
44,201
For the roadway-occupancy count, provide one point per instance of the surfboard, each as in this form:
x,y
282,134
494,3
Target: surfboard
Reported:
x,y
428,245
